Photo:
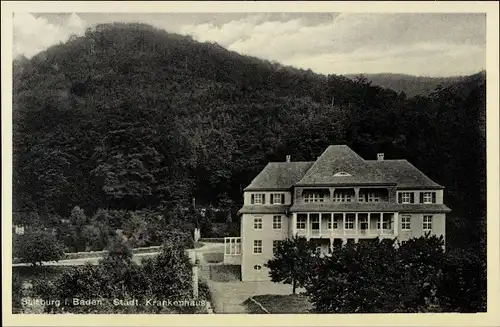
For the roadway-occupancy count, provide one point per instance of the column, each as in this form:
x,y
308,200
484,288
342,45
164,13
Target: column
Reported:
x,y
356,194
369,216
320,222
308,227
396,224
356,227
294,224
381,223
343,223
331,224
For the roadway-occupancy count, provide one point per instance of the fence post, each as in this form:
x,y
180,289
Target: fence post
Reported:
x,y
195,279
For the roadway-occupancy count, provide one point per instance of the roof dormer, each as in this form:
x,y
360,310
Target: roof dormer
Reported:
x,y
341,174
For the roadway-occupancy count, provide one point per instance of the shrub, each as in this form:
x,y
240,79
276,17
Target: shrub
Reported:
x,y
379,277
463,288
17,292
37,246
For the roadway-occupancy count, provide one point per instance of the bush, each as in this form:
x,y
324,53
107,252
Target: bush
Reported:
x,y
183,239
219,230
463,288
167,276
372,277
17,292
37,246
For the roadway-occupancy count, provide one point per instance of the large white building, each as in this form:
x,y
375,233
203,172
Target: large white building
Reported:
x,y
340,197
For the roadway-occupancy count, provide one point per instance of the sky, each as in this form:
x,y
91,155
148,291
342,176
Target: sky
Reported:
x,y
422,44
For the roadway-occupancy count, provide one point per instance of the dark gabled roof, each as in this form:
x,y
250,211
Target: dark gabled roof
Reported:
x,y
369,207
404,173
264,209
279,175
340,158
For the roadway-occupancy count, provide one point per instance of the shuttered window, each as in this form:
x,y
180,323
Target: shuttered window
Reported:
x,y
406,197
258,198
277,198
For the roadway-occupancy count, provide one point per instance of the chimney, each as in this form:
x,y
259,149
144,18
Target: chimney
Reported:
x,y
380,157
288,158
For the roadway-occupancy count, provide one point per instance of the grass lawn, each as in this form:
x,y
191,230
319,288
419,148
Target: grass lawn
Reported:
x,y
225,273
280,304
213,257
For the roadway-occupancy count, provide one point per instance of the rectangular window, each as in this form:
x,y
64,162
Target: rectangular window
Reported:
x,y
342,197
277,198
276,222
257,222
258,198
427,197
313,197
301,221
349,222
328,218
314,221
406,197
427,223
373,197
275,245
363,221
337,217
257,246
386,223
405,222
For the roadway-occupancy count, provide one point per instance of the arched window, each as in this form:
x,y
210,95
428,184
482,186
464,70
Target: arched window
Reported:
x,y
341,173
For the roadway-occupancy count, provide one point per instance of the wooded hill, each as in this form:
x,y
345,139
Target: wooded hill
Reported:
x,y
409,84
131,117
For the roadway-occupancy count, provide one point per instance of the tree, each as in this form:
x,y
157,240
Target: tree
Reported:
x,y
73,233
135,229
293,259
96,236
378,276
169,274
36,246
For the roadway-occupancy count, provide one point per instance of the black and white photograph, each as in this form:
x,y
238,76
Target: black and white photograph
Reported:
x,y
252,163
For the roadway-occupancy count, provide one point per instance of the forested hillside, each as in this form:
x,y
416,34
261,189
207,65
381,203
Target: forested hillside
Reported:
x,y
129,117
411,85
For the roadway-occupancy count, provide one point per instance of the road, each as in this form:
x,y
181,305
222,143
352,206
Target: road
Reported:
x,y
207,247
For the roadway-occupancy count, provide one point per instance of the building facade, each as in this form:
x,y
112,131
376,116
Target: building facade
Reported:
x,y
338,198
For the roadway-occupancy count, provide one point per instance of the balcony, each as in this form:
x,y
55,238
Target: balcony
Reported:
x,y
357,225
335,233
343,195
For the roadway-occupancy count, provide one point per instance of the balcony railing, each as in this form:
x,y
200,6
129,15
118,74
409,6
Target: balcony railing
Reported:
x,y
360,233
